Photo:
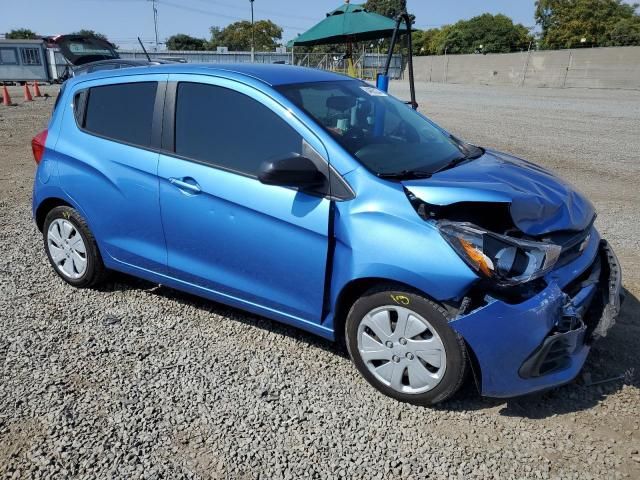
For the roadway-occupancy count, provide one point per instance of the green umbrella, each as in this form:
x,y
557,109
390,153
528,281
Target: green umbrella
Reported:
x,y
347,23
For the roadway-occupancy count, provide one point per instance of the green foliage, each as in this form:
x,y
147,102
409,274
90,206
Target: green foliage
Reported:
x,y
388,8
626,31
565,23
237,36
432,41
495,33
93,33
21,34
182,41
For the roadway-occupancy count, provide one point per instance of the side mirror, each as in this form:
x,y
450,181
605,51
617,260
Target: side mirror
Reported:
x,y
292,171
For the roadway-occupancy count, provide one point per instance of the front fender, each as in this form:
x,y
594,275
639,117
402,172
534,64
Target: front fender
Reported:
x,y
379,235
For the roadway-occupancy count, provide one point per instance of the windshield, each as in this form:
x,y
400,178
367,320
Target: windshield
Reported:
x,y
384,134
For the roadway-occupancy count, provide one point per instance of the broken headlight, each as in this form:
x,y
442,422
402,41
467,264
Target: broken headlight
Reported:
x,y
506,260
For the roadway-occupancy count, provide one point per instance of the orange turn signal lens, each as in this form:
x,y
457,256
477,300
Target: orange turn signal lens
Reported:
x,y
479,258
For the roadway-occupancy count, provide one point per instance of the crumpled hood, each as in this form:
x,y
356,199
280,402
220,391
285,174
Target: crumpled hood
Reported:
x,y
540,202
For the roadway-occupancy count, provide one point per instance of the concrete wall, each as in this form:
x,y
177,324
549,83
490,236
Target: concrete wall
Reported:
x,y
615,67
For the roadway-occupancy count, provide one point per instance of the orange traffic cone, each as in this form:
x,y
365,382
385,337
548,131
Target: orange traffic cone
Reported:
x,y
27,93
6,99
36,90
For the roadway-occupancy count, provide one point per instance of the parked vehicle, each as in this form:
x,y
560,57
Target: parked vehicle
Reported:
x,y
87,54
56,59
319,201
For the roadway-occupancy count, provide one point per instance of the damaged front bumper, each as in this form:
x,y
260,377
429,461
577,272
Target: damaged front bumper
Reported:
x,y
544,341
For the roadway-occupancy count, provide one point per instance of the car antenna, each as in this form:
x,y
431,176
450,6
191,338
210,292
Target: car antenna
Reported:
x,y
144,49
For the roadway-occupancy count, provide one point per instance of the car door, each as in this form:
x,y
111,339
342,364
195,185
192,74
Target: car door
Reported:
x,y
108,161
261,247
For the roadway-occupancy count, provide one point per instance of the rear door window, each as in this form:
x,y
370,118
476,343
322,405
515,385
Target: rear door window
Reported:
x,y
227,129
122,112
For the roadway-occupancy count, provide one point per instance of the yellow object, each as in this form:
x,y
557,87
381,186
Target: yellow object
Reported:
x,y
480,259
351,69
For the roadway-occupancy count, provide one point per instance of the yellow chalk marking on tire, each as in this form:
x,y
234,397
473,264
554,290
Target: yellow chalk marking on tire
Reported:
x,y
400,299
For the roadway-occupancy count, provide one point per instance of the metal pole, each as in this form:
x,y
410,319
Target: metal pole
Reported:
x,y
564,81
430,68
446,64
394,37
253,37
526,65
412,86
155,20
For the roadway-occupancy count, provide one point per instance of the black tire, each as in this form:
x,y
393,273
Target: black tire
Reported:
x,y
95,270
437,316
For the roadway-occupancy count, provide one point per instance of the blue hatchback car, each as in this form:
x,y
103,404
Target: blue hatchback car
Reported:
x,y
319,201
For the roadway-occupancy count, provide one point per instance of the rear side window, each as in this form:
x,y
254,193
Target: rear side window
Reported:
x,y
122,112
224,128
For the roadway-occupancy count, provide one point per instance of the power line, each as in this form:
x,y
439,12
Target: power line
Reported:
x,y
258,10
217,14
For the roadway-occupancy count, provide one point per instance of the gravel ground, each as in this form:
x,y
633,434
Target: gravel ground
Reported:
x,y
139,381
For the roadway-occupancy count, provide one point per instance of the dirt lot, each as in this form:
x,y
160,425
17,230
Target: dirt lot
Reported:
x,y
138,381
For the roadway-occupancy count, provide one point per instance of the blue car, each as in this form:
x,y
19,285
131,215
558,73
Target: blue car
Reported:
x,y
322,202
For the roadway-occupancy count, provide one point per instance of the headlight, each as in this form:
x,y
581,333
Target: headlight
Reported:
x,y
507,260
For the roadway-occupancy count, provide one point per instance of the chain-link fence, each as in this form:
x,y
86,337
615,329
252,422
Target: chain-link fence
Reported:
x,y
362,65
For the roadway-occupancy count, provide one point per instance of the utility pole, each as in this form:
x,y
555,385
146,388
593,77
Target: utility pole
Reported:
x,y
253,36
155,20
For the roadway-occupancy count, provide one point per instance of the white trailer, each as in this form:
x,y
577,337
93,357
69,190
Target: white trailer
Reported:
x,y
24,61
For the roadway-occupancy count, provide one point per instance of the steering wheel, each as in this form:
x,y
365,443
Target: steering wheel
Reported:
x,y
354,134
405,131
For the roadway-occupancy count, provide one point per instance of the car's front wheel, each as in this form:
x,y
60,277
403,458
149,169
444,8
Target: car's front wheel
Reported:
x,y
402,344
71,248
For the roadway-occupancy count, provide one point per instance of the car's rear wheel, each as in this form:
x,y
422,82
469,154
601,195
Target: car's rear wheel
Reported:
x,y
71,248
402,344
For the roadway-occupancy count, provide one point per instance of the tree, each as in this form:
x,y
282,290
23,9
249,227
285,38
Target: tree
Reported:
x,y
430,42
565,23
237,36
21,34
388,8
482,34
93,33
182,41
625,32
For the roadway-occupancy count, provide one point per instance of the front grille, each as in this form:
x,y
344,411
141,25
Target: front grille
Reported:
x,y
597,274
572,243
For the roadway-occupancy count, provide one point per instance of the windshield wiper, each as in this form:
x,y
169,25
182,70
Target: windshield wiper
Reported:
x,y
405,175
453,163
471,152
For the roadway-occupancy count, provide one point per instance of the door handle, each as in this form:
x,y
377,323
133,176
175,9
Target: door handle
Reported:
x,y
183,184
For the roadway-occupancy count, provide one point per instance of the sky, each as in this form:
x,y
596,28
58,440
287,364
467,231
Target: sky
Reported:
x,y
123,20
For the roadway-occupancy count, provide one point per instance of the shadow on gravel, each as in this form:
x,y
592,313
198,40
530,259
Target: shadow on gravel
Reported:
x,y
612,363
122,282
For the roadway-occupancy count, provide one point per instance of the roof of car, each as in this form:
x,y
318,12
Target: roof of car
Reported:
x,y
271,74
